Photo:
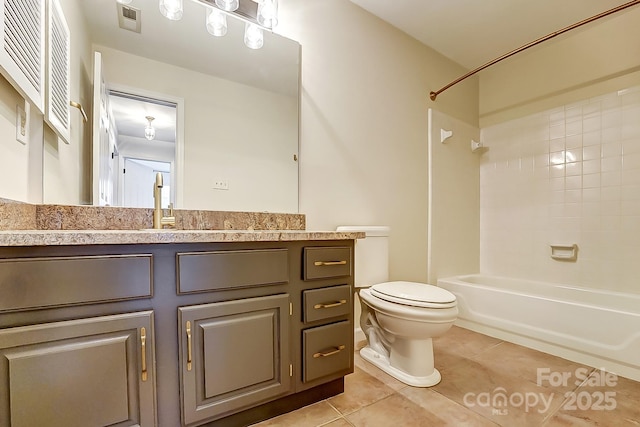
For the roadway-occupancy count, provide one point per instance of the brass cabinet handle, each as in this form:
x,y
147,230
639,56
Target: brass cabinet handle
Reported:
x,y
329,353
329,263
330,305
143,342
188,346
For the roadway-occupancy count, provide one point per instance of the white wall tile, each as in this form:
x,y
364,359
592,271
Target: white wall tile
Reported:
x,y
572,175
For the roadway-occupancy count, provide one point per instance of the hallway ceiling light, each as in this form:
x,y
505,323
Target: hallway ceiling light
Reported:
x,y
171,9
149,131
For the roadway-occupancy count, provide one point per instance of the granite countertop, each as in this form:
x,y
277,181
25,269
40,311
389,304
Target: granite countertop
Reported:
x,y
24,224
125,237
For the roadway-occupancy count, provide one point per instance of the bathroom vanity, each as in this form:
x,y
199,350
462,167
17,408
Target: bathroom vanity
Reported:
x,y
171,328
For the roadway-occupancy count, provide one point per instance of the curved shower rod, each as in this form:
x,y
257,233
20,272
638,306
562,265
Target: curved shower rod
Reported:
x,y
434,94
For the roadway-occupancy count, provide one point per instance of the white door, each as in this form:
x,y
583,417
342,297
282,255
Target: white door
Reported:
x,y
139,177
104,140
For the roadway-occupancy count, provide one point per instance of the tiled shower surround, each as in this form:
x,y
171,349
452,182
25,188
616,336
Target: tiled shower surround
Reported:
x,y
564,176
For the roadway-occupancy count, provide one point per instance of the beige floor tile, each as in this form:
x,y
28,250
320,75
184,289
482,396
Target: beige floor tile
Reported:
x,y
449,412
479,388
395,410
360,390
535,366
310,416
459,344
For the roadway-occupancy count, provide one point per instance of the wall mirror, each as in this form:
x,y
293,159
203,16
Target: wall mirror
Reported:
x,y
236,131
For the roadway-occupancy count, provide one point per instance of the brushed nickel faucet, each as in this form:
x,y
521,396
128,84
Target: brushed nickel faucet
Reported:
x,y
159,220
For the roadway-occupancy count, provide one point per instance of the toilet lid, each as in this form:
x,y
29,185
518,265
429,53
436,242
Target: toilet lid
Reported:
x,y
416,294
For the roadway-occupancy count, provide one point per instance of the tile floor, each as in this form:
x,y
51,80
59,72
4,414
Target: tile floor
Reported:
x,y
477,370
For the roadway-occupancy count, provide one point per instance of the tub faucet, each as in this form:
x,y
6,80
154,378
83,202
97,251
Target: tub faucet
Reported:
x,y
159,220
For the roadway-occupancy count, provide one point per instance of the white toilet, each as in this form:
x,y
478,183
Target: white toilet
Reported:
x,y
398,319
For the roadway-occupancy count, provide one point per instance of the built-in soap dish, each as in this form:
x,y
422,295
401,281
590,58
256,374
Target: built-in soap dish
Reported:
x,y
564,252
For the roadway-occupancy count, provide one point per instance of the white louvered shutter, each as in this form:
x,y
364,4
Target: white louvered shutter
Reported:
x,y
22,47
58,72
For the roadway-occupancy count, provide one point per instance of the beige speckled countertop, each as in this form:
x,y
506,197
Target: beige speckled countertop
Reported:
x,y
126,237
24,224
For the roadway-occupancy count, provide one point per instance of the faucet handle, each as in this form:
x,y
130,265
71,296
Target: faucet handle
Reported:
x,y
171,209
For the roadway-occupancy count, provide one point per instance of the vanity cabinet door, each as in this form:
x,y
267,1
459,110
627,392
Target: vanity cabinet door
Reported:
x,y
87,372
234,355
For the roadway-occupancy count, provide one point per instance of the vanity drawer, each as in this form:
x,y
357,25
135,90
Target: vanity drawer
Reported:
x,y
327,350
218,270
327,262
325,303
29,283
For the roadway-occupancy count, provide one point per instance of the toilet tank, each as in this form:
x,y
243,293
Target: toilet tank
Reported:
x,y
371,254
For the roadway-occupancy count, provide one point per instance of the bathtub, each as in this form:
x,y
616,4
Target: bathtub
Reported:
x,y
594,327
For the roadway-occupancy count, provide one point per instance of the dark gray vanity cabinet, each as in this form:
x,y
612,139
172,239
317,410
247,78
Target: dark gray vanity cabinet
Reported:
x,y
190,334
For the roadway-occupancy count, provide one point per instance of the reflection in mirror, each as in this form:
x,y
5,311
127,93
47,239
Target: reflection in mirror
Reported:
x,y
143,150
239,122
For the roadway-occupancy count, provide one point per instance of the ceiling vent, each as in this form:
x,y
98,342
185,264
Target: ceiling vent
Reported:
x,y
129,18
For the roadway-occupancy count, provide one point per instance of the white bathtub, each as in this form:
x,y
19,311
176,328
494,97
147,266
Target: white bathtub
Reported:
x,y
593,327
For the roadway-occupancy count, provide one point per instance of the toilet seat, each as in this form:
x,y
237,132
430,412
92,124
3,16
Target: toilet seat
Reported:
x,y
414,294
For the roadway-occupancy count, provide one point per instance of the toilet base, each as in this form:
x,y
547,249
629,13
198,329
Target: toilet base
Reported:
x,y
383,363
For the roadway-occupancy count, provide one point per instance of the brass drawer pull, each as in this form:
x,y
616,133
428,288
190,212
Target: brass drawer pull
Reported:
x,y
188,346
331,305
329,353
143,345
329,263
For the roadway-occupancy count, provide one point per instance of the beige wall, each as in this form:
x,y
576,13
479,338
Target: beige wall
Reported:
x,y
14,160
365,101
592,60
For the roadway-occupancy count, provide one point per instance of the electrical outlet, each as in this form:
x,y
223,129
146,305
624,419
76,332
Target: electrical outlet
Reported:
x,y
22,124
220,184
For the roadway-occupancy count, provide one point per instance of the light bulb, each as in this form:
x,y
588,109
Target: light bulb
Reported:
x,y
149,131
171,9
216,22
228,5
268,13
253,37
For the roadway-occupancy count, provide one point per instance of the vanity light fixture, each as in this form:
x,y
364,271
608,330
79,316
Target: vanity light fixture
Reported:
x,y
228,5
171,9
253,36
149,131
257,14
216,22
